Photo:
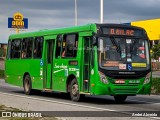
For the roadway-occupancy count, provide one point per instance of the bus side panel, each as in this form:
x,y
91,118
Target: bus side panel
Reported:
x,y
60,73
14,72
16,69
36,73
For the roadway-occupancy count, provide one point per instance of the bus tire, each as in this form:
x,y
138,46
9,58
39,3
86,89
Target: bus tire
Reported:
x,y
74,91
27,84
120,98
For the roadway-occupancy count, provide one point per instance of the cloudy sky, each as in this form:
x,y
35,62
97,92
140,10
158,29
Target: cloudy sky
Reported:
x,y
49,14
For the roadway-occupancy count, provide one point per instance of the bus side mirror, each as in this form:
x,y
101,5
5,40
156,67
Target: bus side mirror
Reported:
x,y
94,40
101,45
59,37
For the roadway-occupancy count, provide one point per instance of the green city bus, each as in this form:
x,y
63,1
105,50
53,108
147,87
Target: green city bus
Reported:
x,y
93,59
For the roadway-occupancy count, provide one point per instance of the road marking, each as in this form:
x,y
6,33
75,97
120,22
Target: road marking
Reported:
x,y
142,101
158,118
57,102
103,109
6,86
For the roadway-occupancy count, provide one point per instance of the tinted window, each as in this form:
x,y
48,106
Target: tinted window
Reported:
x,y
58,46
27,46
38,47
69,46
123,53
15,48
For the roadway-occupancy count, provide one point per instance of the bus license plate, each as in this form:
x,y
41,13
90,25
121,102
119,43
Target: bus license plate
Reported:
x,y
134,81
120,81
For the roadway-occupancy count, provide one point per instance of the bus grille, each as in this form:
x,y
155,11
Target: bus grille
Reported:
x,y
126,90
126,85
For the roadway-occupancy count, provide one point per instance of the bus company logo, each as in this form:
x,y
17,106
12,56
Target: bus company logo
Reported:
x,y
18,21
18,17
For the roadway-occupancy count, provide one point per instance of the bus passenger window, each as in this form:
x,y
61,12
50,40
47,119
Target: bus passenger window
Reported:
x,y
58,46
15,48
9,49
38,47
64,47
70,47
27,46
24,54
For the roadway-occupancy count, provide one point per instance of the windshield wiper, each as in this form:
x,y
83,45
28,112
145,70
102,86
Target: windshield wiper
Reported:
x,y
115,44
133,46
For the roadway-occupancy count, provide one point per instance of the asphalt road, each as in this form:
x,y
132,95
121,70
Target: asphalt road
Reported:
x,y
96,106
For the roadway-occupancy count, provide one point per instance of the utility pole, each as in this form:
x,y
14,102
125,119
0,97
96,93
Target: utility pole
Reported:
x,y
76,13
101,11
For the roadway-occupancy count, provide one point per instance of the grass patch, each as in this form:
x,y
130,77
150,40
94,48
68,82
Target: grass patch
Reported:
x,y
2,107
155,86
1,73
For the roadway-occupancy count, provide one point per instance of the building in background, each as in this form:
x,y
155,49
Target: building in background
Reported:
x,y
152,28
3,49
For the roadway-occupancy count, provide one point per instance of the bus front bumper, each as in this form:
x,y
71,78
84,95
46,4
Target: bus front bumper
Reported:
x,y
112,89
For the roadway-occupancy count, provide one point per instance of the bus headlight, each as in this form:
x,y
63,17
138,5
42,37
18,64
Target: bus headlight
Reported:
x,y
147,79
103,78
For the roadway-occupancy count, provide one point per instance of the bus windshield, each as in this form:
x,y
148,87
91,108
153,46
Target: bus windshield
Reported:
x,y
121,53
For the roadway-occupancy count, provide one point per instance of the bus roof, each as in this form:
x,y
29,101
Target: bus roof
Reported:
x,y
87,27
54,31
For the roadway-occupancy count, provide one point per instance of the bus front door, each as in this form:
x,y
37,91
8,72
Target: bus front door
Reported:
x,y
86,73
49,63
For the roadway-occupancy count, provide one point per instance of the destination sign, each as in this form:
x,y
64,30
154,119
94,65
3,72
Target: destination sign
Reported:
x,y
122,31
116,31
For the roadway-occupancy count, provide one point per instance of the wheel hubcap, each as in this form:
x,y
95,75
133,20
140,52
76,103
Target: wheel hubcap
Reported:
x,y
75,89
27,85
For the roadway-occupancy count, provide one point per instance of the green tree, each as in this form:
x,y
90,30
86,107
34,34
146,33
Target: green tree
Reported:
x,y
156,51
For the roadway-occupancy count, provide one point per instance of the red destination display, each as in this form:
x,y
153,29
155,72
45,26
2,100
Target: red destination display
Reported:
x,y
115,31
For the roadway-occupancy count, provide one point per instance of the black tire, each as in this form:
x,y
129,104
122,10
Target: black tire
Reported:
x,y
74,91
120,98
27,84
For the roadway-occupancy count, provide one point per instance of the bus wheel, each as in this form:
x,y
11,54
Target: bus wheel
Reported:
x,y
74,91
120,98
27,84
